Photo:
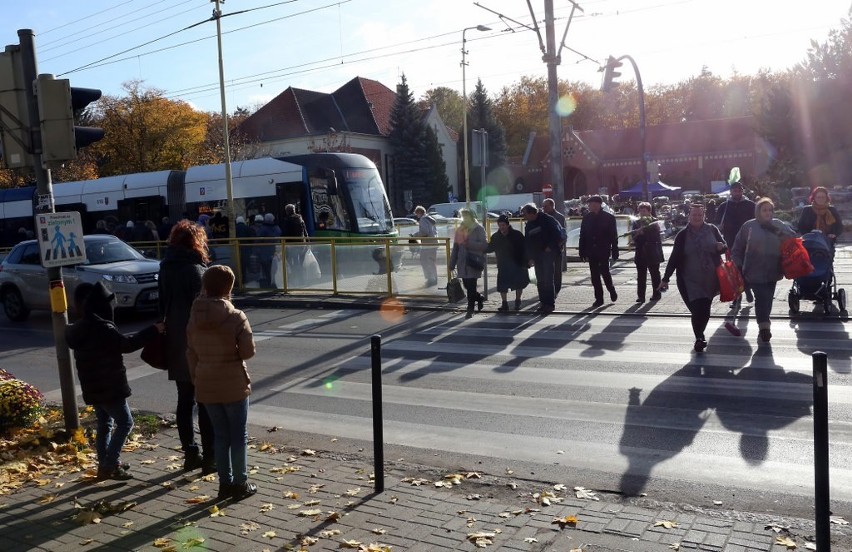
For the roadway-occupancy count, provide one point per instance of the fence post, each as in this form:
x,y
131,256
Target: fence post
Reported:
x,y
378,437
821,486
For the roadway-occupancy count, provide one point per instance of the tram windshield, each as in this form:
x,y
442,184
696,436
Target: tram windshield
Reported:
x,y
371,209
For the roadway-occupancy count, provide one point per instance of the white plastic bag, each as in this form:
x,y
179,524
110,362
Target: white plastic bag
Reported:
x,y
311,266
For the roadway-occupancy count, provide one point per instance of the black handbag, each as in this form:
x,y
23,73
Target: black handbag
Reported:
x,y
455,290
474,261
154,352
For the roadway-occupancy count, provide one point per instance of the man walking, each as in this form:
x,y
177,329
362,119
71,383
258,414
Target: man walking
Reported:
x,y
730,217
542,237
428,249
549,207
599,236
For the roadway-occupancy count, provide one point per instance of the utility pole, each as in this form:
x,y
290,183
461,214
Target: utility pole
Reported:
x,y
552,60
229,182
45,204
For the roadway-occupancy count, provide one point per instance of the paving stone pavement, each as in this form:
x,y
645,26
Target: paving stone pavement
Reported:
x,y
315,502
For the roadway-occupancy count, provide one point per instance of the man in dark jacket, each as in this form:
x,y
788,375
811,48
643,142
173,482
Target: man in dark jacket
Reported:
x,y
542,237
98,347
599,237
730,217
266,250
549,207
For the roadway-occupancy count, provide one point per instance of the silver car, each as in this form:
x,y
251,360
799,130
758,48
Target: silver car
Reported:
x,y
122,269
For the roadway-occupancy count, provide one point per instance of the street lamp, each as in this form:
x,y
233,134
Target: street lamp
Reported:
x,y
464,110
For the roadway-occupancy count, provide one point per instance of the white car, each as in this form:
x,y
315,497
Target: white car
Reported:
x,y
122,269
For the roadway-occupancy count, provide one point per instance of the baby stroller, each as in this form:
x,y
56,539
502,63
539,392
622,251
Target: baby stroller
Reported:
x,y
820,285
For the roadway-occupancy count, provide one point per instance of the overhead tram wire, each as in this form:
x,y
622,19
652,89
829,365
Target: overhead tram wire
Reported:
x,y
120,35
85,17
100,62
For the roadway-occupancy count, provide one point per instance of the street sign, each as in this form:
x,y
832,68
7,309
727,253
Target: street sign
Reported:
x,y
547,190
60,239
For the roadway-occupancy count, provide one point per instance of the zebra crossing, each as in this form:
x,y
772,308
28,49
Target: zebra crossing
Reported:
x,y
620,395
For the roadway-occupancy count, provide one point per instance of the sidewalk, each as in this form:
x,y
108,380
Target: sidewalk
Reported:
x,y
319,501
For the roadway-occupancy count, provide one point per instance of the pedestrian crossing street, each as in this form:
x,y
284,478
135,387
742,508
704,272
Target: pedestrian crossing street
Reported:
x,y
613,395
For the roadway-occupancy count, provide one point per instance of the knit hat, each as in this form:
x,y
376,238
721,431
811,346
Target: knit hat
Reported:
x,y
258,218
99,301
269,218
503,218
241,220
130,224
218,280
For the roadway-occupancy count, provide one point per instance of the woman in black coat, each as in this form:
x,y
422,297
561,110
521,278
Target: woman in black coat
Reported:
x,y
180,283
648,252
508,244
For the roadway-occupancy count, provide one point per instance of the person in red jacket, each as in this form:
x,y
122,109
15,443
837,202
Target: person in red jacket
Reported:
x,y
219,341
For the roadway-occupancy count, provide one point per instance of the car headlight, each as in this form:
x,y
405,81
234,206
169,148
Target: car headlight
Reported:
x,y
120,278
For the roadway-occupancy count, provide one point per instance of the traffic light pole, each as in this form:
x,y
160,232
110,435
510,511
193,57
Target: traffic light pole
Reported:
x,y
609,77
45,205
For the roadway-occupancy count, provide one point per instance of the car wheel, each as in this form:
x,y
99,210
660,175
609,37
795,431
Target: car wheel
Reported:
x,y
14,307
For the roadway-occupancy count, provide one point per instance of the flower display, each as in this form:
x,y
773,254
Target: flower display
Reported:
x,y
20,403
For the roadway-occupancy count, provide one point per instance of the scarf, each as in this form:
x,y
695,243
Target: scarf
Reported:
x,y
824,218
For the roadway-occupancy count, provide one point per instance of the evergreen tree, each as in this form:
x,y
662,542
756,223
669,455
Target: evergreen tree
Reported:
x,y
408,139
439,184
481,116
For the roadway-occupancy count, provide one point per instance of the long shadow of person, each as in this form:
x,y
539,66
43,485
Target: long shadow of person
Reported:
x,y
664,423
613,336
827,334
784,397
543,341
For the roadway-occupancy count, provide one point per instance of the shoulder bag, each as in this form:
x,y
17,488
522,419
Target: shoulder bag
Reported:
x,y
731,283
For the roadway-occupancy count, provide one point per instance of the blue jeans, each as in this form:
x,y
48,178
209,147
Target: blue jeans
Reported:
x,y
114,425
763,296
230,439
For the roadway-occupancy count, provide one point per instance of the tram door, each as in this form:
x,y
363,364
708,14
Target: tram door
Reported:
x,y
295,193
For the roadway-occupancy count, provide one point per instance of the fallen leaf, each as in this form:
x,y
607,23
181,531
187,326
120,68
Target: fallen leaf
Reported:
x,y
837,520
665,523
162,542
309,452
269,535
786,541
86,517
308,541
379,531
310,513
675,546
327,534
775,527
482,538
291,494
530,540
86,542
353,492
810,546
559,487
266,508
189,543
127,524
333,516
216,512
47,499
249,526
717,502
198,499
474,497
585,494
312,502
567,520
350,544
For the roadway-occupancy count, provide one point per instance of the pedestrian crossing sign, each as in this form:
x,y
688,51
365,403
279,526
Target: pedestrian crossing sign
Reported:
x,y
60,239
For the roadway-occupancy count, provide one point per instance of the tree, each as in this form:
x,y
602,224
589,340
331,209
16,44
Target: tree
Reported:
x,y
411,179
449,103
145,131
439,184
481,116
212,149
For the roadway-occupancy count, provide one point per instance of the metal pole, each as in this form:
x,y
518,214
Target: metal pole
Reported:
x,y
821,486
378,436
554,121
59,315
464,119
229,184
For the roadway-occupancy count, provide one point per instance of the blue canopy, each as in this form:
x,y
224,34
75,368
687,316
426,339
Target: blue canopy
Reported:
x,y
654,188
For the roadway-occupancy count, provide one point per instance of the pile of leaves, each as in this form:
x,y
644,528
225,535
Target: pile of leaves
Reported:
x,y
20,402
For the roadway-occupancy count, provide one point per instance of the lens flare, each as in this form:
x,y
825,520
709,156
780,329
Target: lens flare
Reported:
x,y
500,180
391,310
566,105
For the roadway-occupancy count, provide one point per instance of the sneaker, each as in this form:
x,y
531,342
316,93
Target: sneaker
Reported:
x,y
192,461
700,345
764,335
240,491
613,296
226,491
116,474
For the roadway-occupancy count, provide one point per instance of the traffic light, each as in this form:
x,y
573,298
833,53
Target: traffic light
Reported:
x,y
610,74
15,127
57,103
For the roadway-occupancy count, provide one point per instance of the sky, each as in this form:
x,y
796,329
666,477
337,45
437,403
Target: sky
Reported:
x,y
171,45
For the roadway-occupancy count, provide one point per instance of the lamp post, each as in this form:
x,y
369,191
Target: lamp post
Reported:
x,y
464,110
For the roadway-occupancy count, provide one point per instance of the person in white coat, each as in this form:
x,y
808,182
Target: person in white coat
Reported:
x,y
468,257
428,249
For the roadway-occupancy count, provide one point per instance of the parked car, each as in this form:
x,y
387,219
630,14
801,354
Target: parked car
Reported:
x,y
122,269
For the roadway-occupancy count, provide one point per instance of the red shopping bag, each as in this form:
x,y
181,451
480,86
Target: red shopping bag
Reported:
x,y
795,261
731,283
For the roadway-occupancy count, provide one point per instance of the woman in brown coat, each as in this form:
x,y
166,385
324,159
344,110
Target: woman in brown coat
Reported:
x,y
219,341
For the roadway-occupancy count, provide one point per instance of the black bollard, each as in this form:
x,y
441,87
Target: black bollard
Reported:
x,y
821,487
378,437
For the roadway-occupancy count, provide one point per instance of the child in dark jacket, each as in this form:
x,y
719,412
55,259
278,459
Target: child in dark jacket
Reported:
x,y
98,347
